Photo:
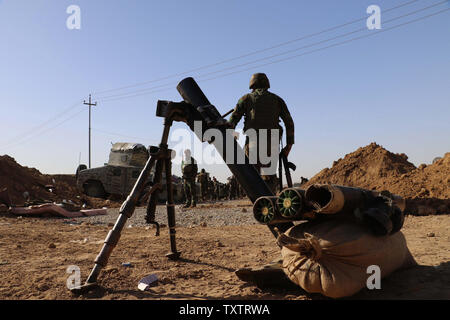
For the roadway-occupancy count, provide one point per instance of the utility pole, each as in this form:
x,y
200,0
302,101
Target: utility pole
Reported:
x,y
90,104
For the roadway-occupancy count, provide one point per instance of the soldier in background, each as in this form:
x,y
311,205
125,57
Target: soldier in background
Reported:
x,y
202,178
262,110
210,189
303,181
232,191
216,189
189,169
241,191
226,190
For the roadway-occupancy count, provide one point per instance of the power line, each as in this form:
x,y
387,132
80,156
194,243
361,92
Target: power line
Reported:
x,y
292,57
333,45
33,130
122,135
324,41
170,86
167,87
251,53
15,143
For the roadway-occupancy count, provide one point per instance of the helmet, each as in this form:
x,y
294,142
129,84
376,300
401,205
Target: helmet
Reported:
x,y
259,81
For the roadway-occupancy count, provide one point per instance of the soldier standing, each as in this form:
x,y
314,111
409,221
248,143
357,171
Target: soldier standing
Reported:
x,y
210,189
241,191
216,190
262,110
226,189
189,169
202,178
233,188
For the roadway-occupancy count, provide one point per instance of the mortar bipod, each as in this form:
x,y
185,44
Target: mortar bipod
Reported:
x,y
164,163
161,157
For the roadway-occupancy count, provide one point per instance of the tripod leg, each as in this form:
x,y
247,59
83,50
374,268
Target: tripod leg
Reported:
x,y
153,200
126,211
174,254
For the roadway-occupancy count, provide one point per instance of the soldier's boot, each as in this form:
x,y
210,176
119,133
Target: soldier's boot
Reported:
x,y
187,204
194,204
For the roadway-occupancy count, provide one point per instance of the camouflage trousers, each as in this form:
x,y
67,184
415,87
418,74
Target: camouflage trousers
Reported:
x,y
270,180
232,193
190,191
204,191
216,194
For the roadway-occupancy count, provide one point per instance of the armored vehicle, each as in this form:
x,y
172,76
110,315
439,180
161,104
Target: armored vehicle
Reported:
x,y
118,176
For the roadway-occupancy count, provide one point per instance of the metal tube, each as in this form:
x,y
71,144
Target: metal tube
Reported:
x,y
331,199
171,210
265,211
153,200
126,211
290,203
246,174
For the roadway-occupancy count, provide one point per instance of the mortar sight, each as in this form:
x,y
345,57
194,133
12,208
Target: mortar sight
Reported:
x,y
162,108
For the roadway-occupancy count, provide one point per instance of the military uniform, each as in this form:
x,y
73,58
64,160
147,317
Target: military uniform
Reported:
x,y
189,169
202,178
262,110
226,189
210,189
216,189
232,191
241,191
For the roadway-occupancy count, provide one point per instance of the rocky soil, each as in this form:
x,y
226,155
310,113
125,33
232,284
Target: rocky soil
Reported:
x,y
36,252
229,213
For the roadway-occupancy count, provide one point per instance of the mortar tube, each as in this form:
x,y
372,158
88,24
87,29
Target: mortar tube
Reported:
x,y
331,199
246,173
265,211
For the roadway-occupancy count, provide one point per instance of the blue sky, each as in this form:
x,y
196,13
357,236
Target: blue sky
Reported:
x,y
391,88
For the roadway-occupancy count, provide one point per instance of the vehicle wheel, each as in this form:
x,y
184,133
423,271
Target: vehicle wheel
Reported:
x,y
94,189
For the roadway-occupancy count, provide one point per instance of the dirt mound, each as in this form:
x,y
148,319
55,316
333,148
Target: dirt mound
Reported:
x,y
426,188
427,181
369,167
20,180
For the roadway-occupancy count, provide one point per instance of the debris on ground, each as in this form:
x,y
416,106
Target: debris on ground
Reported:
x,y
127,264
55,210
147,282
28,186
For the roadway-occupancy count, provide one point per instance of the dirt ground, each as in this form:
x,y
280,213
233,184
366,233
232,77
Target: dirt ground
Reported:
x,y
35,253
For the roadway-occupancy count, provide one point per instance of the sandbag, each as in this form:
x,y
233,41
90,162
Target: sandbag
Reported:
x,y
331,257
